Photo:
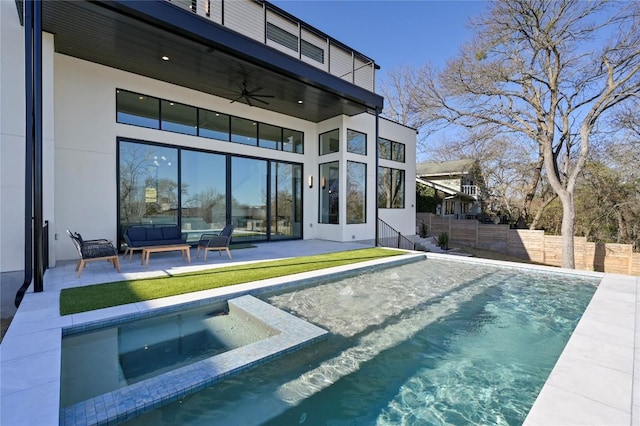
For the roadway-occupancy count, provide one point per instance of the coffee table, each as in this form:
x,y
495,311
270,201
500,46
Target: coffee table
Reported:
x,y
182,248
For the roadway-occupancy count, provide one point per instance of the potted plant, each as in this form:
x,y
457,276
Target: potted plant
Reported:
x,y
424,230
443,241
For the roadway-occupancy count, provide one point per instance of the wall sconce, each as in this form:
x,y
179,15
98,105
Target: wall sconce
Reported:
x,y
324,182
310,181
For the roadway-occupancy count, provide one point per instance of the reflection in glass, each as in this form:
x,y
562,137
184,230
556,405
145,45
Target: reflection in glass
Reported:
x,y
398,152
329,192
203,187
356,142
384,148
244,131
330,142
390,188
292,141
356,191
137,109
214,125
148,184
270,136
179,118
286,200
249,198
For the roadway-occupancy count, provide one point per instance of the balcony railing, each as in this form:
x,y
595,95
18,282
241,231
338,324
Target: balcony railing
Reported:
x,y
274,27
470,190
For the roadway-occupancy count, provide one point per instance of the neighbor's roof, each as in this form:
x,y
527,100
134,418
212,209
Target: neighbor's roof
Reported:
x,y
431,168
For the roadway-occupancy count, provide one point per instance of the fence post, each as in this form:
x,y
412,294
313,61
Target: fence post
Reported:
x,y
477,232
399,236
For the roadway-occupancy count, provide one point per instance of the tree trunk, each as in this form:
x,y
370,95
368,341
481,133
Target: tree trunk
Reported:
x,y
568,225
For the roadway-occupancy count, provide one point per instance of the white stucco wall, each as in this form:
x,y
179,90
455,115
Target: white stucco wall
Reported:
x,y
403,220
12,136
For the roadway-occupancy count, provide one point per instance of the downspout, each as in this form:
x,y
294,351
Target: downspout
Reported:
x,y
38,222
29,138
375,185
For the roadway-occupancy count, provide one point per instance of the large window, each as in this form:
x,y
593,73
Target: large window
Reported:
x,y
148,184
270,136
356,142
147,111
179,118
330,142
286,200
280,36
356,192
312,51
292,141
137,109
244,131
390,150
214,125
203,189
329,193
390,188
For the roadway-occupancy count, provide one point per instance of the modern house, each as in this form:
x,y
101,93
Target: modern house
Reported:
x,y
459,183
189,112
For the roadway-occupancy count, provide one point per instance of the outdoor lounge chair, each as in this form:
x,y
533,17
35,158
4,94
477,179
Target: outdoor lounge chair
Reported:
x,y
93,250
218,242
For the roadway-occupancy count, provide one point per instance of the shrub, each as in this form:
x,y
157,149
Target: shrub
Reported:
x,y
443,240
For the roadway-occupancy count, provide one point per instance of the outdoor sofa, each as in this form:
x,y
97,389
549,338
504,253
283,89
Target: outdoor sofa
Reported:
x,y
139,236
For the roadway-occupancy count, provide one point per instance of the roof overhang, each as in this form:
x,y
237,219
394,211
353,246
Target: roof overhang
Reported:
x,y
204,56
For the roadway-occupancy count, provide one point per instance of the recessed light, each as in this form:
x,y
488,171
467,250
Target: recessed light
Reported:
x,y
141,97
299,101
165,58
170,103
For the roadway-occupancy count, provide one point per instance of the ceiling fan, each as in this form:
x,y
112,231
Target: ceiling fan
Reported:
x,y
251,95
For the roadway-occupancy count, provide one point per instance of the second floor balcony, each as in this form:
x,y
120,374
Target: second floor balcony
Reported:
x,y
268,24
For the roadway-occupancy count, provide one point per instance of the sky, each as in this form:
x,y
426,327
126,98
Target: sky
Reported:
x,y
392,32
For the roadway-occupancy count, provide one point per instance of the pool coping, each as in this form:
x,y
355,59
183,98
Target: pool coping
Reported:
x,y
33,398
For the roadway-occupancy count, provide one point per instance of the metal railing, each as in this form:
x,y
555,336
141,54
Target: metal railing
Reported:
x,y
389,237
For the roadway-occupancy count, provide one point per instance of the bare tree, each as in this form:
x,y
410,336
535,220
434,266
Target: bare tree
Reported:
x,y
547,70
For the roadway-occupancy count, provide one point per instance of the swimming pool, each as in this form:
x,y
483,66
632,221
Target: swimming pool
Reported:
x,y
434,342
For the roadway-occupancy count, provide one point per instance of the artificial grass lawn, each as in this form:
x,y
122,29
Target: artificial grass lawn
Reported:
x,y
81,299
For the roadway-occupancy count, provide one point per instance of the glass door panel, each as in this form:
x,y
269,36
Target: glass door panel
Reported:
x,y
203,187
286,201
148,185
249,199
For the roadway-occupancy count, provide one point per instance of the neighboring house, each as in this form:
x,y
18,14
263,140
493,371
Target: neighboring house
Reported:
x,y
460,184
196,113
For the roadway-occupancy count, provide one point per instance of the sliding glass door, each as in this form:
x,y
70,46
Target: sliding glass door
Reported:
x,y
203,191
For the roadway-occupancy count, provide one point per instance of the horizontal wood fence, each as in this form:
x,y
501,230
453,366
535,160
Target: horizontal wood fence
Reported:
x,y
534,245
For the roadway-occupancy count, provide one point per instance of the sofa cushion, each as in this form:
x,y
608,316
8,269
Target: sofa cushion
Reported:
x,y
170,233
136,234
154,234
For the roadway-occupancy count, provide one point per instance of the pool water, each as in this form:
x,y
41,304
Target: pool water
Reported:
x,y
430,343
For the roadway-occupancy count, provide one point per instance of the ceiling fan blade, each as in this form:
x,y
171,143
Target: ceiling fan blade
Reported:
x,y
258,100
257,89
248,100
261,96
237,99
